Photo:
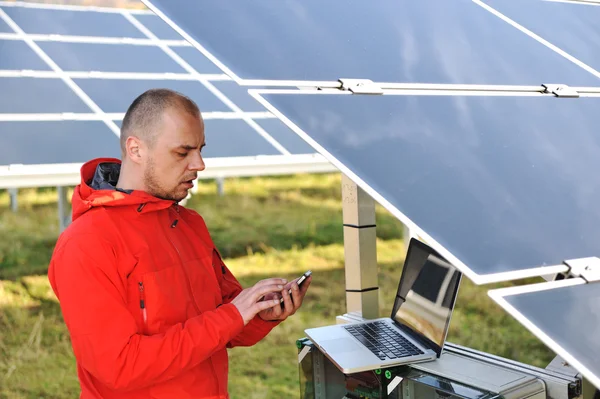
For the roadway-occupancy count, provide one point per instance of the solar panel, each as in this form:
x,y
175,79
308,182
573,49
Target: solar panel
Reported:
x,y
115,95
199,62
55,142
563,316
157,26
239,95
234,138
290,140
495,182
68,22
29,95
427,41
4,28
110,57
104,59
574,27
17,55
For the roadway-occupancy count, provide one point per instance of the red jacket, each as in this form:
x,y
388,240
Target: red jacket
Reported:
x,y
145,295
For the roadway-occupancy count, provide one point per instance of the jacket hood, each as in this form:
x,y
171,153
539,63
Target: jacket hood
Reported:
x,y
98,189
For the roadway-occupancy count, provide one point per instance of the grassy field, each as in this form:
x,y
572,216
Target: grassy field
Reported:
x,y
264,227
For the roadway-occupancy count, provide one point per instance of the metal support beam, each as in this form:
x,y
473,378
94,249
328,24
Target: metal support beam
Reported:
x,y
220,186
63,209
360,250
14,199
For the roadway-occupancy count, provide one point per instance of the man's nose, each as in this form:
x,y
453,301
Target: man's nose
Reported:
x,y
197,163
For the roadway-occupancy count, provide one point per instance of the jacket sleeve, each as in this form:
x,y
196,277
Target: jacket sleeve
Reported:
x,y
105,339
257,328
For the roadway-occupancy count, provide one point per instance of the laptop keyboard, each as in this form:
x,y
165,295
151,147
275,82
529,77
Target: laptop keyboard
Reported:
x,y
382,340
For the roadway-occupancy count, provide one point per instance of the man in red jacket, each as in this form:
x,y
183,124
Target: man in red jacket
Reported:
x,y
150,306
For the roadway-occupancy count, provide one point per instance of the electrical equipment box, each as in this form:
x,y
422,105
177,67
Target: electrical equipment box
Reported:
x,y
452,376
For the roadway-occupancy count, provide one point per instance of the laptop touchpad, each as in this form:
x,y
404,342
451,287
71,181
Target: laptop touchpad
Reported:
x,y
340,345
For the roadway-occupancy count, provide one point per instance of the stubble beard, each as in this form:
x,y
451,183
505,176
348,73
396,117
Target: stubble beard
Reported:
x,y
154,188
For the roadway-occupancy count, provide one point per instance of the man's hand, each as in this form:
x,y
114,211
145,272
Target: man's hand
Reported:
x,y
291,304
247,302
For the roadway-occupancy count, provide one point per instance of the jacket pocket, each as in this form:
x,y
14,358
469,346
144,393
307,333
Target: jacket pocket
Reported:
x,y
164,299
143,311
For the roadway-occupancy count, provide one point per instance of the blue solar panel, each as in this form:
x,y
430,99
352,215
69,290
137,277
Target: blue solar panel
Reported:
x,y
31,95
18,55
115,95
239,95
426,41
569,317
55,142
496,181
67,22
4,28
234,138
196,60
285,136
575,28
110,57
157,26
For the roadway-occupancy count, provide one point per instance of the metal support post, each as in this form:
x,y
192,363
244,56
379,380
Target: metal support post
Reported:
x,y
63,213
360,250
14,199
220,186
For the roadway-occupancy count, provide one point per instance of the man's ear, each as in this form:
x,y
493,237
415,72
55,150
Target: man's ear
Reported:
x,y
134,149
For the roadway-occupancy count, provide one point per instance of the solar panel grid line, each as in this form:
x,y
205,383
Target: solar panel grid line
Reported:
x,y
206,84
476,278
192,41
80,93
418,92
91,39
499,296
63,116
538,38
68,174
453,86
334,84
7,73
70,7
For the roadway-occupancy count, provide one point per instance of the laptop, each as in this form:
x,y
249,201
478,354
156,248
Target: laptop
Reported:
x,y
415,331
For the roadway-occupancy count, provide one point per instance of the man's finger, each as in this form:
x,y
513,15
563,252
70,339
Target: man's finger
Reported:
x,y
287,303
264,305
277,311
270,281
304,286
266,289
296,296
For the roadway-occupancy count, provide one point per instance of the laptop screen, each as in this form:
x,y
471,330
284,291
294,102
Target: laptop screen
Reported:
x,y
426,294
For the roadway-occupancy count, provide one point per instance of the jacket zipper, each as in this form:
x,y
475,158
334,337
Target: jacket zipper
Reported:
x,y
189,287
143,306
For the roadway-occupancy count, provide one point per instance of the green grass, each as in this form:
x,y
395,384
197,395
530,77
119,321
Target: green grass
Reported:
x,y
265,227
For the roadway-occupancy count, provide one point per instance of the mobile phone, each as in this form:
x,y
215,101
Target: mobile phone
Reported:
x,y
301,280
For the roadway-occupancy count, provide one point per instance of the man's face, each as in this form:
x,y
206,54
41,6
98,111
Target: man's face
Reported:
x,y
175,159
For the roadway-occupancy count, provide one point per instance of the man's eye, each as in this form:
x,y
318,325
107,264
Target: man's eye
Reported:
x,y
182,154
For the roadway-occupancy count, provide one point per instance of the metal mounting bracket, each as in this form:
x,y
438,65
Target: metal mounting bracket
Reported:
x,y
586,268
560,90
360,86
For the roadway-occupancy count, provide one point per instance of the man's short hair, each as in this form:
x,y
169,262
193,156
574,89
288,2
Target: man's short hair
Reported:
x,y
145,112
